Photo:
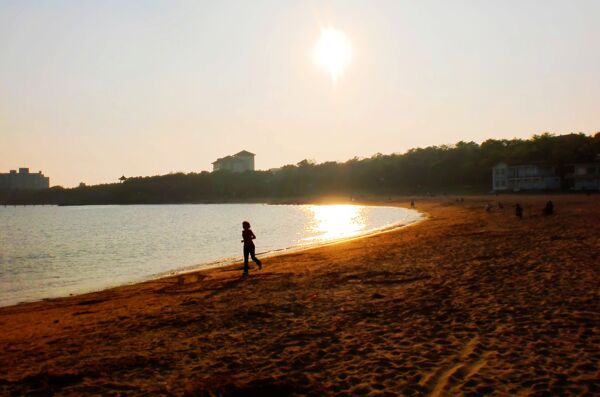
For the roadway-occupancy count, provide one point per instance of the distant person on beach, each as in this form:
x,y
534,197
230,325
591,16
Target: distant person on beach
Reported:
x,y
249,249
549,208
519,211
412,203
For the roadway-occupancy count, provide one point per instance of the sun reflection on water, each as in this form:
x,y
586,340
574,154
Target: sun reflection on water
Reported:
x,y
336,221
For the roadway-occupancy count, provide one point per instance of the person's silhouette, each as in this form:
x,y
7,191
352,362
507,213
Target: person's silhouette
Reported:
x,y
519,211
249,249
549,208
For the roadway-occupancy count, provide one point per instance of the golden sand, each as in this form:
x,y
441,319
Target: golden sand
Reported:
x,y
464,303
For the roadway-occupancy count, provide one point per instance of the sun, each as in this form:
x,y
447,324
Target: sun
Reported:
x,y
333,52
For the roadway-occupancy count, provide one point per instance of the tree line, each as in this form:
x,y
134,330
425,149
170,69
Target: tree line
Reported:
x,y
464,167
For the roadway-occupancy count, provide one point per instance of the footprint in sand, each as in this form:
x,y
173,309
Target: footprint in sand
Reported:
x,y
462,366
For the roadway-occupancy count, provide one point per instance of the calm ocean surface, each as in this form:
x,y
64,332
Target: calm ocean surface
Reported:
x,y
48,251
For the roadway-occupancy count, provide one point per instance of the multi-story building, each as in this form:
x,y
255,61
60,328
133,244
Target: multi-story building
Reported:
x,y
23,180
584,176
517,177
239,162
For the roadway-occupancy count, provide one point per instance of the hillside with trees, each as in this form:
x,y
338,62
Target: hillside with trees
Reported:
x,y
461,168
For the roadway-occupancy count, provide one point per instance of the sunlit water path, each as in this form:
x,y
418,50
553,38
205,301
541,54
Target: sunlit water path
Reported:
x,y
48,251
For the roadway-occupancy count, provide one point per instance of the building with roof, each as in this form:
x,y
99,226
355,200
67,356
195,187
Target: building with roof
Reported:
x,y
239,162
518,177
23,180
584,176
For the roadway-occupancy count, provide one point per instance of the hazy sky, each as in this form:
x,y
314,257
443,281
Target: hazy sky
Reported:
x,y
91,90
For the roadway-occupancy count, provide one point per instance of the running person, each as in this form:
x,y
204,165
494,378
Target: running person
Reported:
x,y
249,249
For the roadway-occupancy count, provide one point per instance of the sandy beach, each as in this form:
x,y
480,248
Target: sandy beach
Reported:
x,y
467,302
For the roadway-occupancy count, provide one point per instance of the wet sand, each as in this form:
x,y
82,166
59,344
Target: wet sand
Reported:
x,y
464,303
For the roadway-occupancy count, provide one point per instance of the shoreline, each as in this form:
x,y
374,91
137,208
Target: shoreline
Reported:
x,y
225,262
467,303
301,248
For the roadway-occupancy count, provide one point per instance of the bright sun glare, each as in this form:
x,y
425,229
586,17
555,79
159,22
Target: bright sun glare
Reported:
x,y
333,52
336,221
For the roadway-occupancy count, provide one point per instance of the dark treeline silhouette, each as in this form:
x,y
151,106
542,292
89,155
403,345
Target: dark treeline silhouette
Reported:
x,y
461,168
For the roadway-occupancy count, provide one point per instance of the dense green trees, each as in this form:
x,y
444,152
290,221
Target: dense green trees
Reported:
x,y
463,167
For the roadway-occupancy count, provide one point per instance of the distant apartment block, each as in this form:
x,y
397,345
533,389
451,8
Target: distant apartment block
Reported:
x,y
239,162
584,176
23,180
518,177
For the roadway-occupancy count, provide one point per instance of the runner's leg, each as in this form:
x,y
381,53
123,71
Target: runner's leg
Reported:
x,y
254,258
246,253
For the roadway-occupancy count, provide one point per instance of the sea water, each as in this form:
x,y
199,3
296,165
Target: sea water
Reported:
x,y
50,251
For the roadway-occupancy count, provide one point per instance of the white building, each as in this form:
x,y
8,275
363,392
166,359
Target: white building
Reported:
x,y
519,177
23,180
239,162
585,176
